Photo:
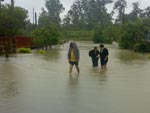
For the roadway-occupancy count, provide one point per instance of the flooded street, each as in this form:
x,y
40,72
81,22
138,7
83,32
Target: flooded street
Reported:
x,y
41,84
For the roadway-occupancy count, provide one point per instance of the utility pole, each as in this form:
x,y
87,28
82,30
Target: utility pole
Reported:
x,y
12,3
35,19
123,11
14,40
8,45
33,15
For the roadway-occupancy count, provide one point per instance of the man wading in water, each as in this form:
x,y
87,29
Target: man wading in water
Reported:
x,y
103,56
93,54
73,57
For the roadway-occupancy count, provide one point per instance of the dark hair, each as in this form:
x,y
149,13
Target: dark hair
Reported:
x,y
95,47
71,45
101,45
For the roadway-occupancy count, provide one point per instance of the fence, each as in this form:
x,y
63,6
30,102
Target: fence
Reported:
x,y
7,45
23,42
10,44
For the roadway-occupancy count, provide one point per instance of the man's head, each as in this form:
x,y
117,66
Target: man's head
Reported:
x,y
101,46
95,48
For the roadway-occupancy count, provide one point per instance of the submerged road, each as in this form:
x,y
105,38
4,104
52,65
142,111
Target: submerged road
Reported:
x,y
41,84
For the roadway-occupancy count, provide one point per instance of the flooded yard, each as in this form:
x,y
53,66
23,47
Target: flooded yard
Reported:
x,y
32,83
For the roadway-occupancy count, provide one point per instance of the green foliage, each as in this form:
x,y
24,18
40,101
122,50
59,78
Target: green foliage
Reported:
x,y
24,50
48,32
128,36
134,36
116,32
102,35
86,14
47,36
12,20
120,6
52,13
81,35
42,52
149,56
142,47
98,36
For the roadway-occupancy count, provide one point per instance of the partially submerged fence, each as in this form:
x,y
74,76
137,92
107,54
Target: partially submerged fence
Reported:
x,y
10,44
7,45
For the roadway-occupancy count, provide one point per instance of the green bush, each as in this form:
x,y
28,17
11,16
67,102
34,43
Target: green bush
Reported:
x,y
141,47
48,35
149,56
133,36
24,50
100,36
42,52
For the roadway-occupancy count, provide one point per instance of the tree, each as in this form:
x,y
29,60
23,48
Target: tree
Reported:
x,y
66,25
146,13
48,32
120,6
98,36
102,35
54,8
44,19
12,21
86,14
46,36
134,35
105,2
135,13
76,14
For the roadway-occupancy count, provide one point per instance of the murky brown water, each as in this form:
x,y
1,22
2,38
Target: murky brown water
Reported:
x,y
41,84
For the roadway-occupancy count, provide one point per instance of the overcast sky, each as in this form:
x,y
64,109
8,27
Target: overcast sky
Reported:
x,y
38,4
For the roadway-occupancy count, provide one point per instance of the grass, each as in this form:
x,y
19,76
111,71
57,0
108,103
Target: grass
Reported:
x,y
81,35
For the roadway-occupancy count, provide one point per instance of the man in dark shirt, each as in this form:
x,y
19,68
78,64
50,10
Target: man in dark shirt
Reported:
x,y
94,55
103,56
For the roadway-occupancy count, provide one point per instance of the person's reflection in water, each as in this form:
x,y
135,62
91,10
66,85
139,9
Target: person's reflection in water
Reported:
x,y
99,74
73,81
94,70
52,55
103,75
73,94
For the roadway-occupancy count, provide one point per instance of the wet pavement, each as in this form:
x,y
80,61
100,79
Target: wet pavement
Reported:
x,y
41,84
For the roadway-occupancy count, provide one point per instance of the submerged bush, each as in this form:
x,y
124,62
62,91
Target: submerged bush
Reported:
x,y
24,50
42,52
149,56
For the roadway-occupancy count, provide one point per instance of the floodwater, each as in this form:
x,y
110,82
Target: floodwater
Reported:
x,y
41,84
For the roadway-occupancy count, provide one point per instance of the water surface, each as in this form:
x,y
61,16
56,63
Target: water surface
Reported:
x,y
41,84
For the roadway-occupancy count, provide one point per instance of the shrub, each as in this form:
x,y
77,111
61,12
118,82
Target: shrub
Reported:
x,y
42,52
101,37
141,47
24,50
149,56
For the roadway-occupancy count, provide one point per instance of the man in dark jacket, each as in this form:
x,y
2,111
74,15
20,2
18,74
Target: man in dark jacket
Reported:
x,y
103,56
94,55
